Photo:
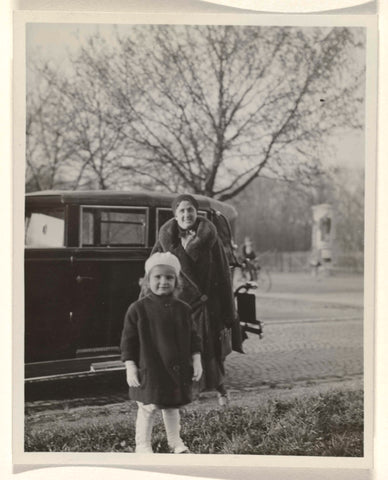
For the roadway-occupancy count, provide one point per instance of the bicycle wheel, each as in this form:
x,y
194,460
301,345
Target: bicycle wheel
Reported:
x,y
264,282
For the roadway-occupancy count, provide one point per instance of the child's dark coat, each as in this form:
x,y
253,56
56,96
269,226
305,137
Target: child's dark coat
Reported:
x,y
159,336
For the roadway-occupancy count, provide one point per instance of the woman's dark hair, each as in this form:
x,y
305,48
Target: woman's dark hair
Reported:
x,y
184,197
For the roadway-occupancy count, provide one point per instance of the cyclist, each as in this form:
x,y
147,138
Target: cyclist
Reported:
x,y
248,256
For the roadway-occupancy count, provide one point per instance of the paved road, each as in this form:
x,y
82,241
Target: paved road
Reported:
x,y
298,351
313,331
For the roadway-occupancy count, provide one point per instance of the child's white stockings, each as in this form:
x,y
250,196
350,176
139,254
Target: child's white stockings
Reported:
x,y
172,424
144,424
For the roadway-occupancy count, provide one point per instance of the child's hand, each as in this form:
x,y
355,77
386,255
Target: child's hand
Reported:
x,y
132,377
197,367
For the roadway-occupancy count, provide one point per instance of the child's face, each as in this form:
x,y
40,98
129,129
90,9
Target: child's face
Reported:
x,y
185,215
162,280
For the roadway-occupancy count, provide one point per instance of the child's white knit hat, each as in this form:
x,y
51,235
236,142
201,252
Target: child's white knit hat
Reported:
x,y
163,258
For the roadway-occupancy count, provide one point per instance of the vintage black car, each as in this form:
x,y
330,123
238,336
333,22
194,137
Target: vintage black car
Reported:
x,y
84,259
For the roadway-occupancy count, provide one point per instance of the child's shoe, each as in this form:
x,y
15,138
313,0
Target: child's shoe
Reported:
x,y
182,448
223,399
143,449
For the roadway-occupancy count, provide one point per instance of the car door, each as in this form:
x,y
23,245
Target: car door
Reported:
x,y
49,328
109,264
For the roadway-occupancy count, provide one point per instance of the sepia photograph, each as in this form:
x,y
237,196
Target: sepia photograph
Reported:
x,y
198,220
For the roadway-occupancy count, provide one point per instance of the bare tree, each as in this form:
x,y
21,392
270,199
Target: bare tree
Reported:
x,y
96,132
348,199
277,215
222,105
46,148
210,108
74,134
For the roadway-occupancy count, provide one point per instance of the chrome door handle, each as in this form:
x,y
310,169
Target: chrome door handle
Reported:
x,y
80,279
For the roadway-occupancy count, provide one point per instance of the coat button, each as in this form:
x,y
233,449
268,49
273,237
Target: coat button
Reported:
x,y
203,298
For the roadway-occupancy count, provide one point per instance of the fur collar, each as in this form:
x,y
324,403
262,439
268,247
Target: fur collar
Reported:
x,y
204,240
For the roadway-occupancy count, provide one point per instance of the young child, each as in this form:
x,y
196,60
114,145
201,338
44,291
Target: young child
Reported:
x,y
161,351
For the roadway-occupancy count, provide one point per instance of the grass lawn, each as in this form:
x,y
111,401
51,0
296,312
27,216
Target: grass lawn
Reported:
x,y
328,423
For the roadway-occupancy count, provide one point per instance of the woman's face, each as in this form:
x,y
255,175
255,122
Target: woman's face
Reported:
x,y
162,280
185,214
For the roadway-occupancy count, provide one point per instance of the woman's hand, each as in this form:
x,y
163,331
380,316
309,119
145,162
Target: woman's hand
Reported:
x,y
132,376
197,367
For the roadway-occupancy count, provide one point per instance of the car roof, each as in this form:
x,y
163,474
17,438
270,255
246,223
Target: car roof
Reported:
x,y
124,197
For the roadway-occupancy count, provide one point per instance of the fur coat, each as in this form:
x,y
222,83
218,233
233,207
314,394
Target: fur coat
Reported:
x,y
206,286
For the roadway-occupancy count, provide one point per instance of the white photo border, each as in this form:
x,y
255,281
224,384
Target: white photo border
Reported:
x,y
20,457
290,6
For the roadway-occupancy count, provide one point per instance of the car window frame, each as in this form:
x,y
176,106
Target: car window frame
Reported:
x,y
114,207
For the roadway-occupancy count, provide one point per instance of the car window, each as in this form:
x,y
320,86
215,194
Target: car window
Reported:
x,y
45,227
113,227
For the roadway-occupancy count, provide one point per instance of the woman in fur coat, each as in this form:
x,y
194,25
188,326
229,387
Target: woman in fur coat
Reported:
x,y
206,285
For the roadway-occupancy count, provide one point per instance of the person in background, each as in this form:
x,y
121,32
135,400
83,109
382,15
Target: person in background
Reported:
x,y
249,256
161,351
206,287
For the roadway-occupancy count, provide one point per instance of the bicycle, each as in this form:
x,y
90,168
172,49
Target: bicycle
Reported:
x,y
252,271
